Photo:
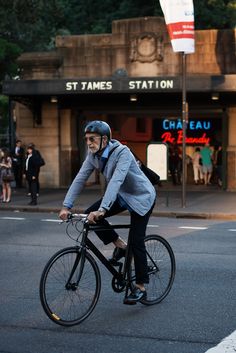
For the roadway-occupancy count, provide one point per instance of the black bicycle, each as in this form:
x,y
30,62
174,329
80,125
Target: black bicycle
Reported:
x,y
71,282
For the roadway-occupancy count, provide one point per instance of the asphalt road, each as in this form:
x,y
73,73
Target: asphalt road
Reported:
x,y
197,314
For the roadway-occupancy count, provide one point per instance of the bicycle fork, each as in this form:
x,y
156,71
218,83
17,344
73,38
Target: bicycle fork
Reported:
x,y
80,259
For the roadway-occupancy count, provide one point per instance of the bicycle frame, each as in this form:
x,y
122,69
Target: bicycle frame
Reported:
x,y
87,243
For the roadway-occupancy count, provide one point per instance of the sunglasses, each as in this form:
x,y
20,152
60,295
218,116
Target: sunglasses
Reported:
x,y
91,138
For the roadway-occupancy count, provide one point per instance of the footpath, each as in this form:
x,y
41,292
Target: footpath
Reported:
x,y
206,202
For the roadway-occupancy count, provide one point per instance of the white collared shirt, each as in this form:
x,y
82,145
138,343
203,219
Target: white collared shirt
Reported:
x,y
27,161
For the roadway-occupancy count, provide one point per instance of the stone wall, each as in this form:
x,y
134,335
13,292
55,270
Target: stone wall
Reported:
x,y
142,48
45,138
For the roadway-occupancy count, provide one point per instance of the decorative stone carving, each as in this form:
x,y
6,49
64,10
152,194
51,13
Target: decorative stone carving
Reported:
x,y
147,47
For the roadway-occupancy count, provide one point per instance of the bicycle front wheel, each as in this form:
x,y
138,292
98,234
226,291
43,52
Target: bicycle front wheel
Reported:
x,y
70,286
161,269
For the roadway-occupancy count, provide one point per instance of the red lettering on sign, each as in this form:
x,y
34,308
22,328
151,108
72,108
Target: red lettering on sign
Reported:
x,y
167,137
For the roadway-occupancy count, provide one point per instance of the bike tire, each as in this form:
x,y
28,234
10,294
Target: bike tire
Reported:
x,y
161,268
65,303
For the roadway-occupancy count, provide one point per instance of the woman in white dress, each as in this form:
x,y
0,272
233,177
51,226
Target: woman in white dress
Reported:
x,y
197,166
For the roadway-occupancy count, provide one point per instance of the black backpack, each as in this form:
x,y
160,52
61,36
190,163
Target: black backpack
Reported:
x,y
150,174
40,160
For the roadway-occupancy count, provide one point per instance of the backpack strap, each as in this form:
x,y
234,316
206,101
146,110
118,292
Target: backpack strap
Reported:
x,y
109,154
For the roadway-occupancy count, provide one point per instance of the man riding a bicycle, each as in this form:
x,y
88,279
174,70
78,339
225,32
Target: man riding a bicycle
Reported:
x,y
127,189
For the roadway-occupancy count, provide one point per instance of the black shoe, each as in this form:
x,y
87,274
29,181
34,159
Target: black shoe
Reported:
x,y
135,296
118,253
32,203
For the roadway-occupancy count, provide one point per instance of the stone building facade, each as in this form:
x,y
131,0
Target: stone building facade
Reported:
x,y
132,79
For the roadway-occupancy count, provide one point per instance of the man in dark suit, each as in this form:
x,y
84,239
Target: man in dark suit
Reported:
x,y
31,173
41,163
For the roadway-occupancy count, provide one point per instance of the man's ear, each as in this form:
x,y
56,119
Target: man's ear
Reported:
x,y
105,139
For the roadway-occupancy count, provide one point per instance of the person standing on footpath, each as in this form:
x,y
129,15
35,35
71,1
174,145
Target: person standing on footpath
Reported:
x,y
31,173
41,163
6,174
175,164
197,166
127,189
206,154
18,156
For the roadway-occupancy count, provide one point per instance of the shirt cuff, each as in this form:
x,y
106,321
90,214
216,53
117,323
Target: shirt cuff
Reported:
x,y
67,206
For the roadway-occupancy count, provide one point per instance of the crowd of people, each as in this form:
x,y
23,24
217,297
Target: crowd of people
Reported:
x,y
206,163
20,167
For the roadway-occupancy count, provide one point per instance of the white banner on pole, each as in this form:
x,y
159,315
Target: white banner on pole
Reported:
x,y
179,17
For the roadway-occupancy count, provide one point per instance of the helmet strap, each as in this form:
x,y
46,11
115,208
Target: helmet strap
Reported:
x,y
100,147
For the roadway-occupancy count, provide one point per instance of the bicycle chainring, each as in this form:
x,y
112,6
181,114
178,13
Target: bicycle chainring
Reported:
x,y
118,285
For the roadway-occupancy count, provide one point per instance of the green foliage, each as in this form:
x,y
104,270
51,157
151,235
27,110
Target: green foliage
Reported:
x,y
216,14
3,105
93,16
33,24
8,54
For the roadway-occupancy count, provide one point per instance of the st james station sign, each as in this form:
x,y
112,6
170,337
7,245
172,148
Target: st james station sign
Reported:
x,y
137,85
117,85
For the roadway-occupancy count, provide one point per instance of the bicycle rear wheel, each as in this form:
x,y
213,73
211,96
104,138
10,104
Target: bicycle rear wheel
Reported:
x,y
161,268
70,286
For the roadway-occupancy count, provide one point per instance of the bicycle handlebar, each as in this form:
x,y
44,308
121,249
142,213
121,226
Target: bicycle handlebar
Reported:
x,y
83,217
79,215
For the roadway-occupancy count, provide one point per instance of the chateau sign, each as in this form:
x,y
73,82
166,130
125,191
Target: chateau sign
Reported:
x,y
199,131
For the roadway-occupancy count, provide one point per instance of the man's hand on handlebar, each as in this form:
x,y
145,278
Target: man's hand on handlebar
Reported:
x,y
93,217
64,214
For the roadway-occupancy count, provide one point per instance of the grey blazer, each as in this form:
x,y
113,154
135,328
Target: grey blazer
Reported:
x,y
123,177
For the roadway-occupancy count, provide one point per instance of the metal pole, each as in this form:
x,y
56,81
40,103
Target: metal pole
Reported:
x,y
184,109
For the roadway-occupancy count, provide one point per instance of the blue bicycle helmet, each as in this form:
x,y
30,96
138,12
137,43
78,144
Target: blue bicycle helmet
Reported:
x,y
99,127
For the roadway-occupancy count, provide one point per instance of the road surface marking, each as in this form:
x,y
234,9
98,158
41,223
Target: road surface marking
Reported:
x,y
13,218
232,230
227,345
194,228
51,220
152,226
